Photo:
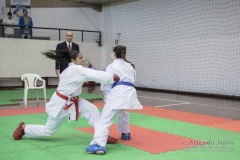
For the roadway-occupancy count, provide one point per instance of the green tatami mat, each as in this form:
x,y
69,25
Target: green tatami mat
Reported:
x,y
182,128
68,143
10,97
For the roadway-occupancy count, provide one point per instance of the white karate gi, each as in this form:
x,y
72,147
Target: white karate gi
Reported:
x,y
118,100
9,30
70,85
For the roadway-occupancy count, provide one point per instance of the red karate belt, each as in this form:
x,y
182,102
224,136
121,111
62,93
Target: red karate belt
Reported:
x,y
73,100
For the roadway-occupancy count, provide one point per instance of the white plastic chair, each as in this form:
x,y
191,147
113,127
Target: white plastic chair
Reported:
x,y
30,82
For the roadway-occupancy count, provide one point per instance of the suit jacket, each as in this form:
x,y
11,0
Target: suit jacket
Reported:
x,y
63,64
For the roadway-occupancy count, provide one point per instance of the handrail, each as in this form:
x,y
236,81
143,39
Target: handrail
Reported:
x,y
59,32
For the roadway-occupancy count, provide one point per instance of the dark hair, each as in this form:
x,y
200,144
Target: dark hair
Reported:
x,y
120,52
60,55
25,10
9,14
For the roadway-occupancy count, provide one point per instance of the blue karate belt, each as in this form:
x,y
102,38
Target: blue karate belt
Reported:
x,y
123,83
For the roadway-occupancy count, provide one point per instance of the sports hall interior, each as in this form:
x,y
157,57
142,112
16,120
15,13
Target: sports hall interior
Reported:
x,y
187,60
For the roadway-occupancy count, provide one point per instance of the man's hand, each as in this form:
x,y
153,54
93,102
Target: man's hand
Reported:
x,y
58,72
116,78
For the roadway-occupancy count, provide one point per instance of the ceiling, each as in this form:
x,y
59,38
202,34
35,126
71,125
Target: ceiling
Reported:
x,y
95,4
96,1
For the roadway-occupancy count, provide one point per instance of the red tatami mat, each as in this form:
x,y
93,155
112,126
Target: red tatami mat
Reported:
x,y
150,140
28,110
19,111
216,122
204,120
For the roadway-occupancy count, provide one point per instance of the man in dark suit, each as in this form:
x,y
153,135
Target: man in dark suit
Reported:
x,y
68,45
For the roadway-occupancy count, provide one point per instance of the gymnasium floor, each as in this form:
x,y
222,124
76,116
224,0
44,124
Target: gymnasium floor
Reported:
x,y
170,127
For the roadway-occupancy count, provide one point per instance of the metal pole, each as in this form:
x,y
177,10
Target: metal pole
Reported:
x,y
59,32
32,35
100,39
82,36
3,30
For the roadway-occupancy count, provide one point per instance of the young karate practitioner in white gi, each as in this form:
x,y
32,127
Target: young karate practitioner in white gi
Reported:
x,y
119,97
65,102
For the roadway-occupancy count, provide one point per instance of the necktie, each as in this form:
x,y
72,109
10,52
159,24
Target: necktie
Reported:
x,y
69,47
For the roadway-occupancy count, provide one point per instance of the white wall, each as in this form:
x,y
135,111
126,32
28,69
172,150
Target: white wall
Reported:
x,y
176,45
73,18
20,56
15,50
3,11
180,45
70,18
